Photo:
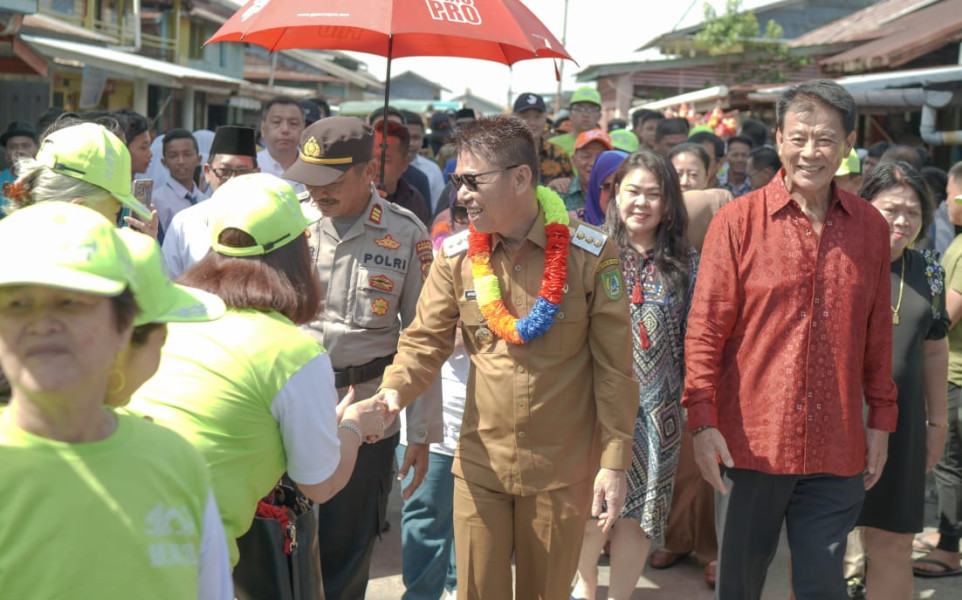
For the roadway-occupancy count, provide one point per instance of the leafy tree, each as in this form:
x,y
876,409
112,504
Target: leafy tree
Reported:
x,y
749,56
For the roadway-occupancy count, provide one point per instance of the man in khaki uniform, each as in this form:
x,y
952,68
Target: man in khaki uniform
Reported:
x,y
540,414
372,257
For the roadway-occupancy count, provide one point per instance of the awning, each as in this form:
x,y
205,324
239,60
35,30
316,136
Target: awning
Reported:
x,y
132,66
894,89
710,95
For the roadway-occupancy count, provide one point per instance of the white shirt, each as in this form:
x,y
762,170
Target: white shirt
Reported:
x,y
172,197
435,179
267,164
187,240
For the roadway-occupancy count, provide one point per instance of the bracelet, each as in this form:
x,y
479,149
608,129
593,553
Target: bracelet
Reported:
x,y
353,427
938,425
700,429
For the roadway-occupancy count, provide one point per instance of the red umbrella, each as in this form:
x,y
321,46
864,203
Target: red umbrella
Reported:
x,y
503,31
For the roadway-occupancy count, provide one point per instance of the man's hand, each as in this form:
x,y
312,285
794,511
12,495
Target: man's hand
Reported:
x,y
560,185
415,455
392,402
611,487
877,450
710,448
934,446
145,227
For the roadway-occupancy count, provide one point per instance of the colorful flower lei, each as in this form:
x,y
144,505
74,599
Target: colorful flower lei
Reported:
x,y
541,317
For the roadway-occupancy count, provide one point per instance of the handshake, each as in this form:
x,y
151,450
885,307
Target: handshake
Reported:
x,y
371,416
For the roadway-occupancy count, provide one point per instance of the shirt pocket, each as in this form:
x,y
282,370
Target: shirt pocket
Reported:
x,y
470,324
377,297
569,332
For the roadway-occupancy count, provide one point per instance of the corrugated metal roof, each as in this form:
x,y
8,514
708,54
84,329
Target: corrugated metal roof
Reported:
x,y
131,65
903,39
861,25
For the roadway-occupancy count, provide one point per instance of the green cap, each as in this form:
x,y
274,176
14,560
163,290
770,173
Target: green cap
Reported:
x,y
624,140
263,206
586,93
66,246
851,165
91,153
700,129
160,299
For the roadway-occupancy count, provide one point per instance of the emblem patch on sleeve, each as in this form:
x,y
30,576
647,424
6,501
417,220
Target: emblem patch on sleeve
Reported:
x,y
388,242
424,246
382,282
379,307
611,283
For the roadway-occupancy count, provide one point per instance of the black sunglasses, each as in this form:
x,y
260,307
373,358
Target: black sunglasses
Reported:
x,y
459,213
470,180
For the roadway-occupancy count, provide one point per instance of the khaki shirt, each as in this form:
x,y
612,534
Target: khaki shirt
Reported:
x,y
537,414
371,279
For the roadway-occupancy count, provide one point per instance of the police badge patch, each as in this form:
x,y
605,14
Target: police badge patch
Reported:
x,y
379,307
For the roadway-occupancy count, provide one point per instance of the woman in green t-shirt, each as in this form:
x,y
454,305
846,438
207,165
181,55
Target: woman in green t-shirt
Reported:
x,y
96,504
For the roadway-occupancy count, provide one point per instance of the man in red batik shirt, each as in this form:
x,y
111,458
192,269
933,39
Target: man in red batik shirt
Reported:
x,y
789,329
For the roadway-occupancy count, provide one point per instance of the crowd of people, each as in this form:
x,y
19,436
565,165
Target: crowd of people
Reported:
x,y
562,339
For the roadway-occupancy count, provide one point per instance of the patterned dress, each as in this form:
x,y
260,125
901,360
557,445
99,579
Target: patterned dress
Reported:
x,y
658,334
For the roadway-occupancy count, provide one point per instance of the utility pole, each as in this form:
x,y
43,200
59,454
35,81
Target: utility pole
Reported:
x,y
561,66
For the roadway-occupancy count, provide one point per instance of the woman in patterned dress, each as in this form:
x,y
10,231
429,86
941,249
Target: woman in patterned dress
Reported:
x,y
893,509
649,224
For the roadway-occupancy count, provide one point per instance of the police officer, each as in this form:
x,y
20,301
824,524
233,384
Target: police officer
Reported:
x,y
372,258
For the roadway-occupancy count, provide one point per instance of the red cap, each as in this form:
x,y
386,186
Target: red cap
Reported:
x,y
593,135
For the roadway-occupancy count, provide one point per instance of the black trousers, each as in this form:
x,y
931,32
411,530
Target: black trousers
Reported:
x,y
948,476
818,511
349,522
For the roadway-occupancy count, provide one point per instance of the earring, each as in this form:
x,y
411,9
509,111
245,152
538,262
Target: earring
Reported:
x,y
121,382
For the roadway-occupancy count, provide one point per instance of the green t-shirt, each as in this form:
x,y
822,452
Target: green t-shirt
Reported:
x,y
952,263
118,518
215,386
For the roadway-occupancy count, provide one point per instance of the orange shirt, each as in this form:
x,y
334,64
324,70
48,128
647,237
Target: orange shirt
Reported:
x,y
789,330
536,415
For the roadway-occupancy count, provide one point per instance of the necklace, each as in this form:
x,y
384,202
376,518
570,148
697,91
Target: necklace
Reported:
x,y
493,309
898,304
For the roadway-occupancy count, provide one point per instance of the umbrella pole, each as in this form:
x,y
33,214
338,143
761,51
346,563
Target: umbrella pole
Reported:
x,y
387,100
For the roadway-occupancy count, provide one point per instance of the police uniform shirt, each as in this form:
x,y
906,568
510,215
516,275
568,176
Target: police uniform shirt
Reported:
x,y
372,277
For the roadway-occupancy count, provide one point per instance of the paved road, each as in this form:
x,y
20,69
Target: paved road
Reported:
x,y
684,581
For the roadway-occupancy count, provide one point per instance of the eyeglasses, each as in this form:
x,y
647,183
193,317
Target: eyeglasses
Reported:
x,y
470,180
585,109
226,173
459,213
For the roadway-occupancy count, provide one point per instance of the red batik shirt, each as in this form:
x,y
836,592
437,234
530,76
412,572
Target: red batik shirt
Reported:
x,y
789,331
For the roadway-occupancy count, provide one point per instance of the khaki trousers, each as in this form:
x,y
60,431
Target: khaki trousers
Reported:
x,y
691,521
544,533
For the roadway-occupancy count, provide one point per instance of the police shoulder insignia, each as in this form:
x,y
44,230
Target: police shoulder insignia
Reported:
x,y
375,214
423,246
588,238
379,307
611,282
455,244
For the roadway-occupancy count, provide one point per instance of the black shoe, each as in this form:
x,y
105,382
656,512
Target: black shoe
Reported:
x,y
855,586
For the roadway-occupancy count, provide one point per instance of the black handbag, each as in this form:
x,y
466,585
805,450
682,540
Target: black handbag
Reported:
x,y
279,555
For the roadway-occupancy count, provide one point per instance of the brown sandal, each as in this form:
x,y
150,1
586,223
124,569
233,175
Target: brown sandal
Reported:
x,y
663,558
